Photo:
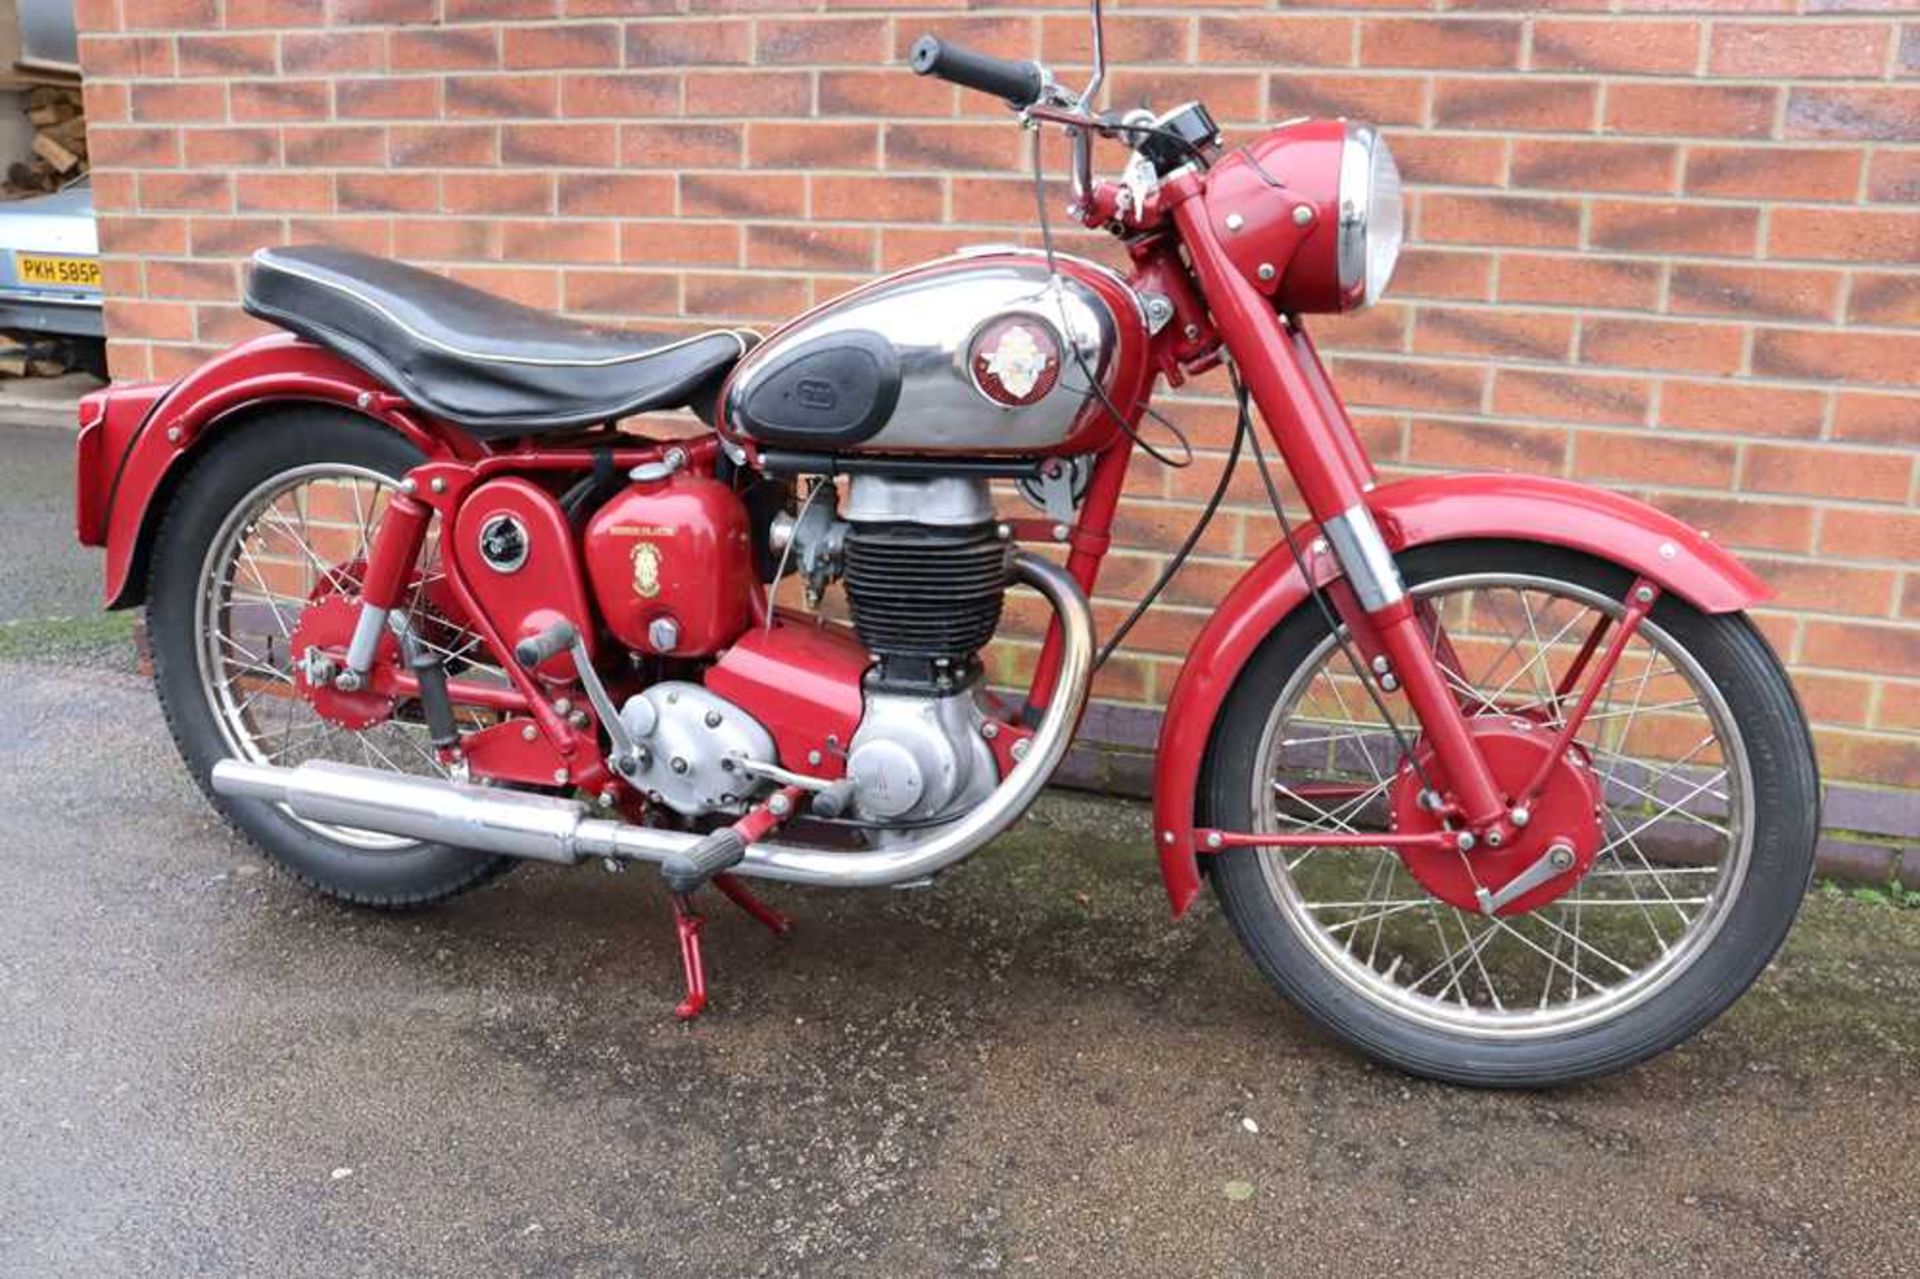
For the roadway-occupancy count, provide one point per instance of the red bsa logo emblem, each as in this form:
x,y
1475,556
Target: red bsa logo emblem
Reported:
x,y
1015,361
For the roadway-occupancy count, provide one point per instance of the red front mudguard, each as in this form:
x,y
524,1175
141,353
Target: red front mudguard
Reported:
x,y
1444,508
135,439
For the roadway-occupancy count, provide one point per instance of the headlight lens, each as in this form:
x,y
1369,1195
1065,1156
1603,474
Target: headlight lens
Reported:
x,y
1372,216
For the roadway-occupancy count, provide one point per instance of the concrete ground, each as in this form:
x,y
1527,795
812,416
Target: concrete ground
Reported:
x,y
204,1069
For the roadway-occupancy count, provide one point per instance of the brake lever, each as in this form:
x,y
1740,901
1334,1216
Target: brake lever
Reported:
x,y
1065,109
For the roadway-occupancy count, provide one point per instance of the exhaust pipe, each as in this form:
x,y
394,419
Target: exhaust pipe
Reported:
x,y
545,828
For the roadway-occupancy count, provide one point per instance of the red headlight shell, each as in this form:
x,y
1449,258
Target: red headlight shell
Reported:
x,y
1275,206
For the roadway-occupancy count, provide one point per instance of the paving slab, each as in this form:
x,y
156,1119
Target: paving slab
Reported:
x,y
1028,1069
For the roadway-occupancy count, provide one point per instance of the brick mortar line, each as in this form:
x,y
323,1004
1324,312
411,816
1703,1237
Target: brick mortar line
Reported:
x,y
1415,306
1217,70
1601,130
1015,175
1851,266
1009,177
899,24
801,223
1271,73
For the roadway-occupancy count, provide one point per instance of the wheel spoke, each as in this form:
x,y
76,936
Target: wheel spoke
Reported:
x,y
1661,749
248,612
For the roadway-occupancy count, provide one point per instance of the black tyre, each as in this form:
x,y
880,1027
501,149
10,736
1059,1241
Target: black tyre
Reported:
x,y
1709,809
275,510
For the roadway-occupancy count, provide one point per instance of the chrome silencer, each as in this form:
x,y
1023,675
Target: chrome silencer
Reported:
x,y
550,829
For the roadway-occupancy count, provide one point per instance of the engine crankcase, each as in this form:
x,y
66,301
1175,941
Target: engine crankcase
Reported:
x,y
695,743
918,757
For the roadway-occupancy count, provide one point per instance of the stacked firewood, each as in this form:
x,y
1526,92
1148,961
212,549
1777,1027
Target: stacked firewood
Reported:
x,y
59,141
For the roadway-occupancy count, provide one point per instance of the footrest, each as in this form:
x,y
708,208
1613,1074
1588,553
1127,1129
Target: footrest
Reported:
x,y
722,850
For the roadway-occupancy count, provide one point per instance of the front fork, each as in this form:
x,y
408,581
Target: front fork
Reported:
x,y
1389,615
1329,463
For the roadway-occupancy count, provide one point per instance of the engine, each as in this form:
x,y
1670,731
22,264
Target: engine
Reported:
x,y
893,712
925,571
999,352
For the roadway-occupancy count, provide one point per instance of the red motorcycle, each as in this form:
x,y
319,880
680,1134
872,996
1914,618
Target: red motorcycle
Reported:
x,y
1490,774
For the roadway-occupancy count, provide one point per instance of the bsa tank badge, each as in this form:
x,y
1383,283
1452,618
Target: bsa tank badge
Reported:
x,y
646,570
1015,361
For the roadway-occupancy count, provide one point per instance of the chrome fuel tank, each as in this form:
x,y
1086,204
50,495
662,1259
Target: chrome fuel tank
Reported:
x,y
985,353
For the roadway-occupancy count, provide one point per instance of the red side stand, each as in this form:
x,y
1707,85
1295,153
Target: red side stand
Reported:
x,y
687,922
740,895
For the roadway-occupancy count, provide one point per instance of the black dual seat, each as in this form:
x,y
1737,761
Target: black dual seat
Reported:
x,y
496,368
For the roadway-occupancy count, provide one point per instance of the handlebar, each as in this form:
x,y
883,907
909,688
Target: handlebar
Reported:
x,y
1021,84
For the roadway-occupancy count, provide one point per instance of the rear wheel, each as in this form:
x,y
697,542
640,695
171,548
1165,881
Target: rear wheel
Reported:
x,y
267,536
1696,757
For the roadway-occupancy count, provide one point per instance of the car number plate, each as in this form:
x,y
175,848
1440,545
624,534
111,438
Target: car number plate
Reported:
x,y
65,273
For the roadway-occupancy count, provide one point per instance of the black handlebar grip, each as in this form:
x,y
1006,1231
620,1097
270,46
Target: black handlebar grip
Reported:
x,y
1021,83
535,649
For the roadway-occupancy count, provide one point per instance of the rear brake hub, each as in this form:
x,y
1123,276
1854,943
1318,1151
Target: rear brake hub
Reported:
x,y
1565,814
327,624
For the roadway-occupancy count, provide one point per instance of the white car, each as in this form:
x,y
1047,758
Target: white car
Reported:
x,y
50,264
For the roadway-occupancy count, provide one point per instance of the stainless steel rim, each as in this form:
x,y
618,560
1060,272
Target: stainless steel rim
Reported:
x,y
1677,824
267,558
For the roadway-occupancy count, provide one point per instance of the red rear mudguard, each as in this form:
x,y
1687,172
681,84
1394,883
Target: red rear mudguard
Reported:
x,y
1442,508
134,438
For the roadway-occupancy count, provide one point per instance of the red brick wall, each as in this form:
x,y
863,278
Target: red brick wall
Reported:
x,y
1672,250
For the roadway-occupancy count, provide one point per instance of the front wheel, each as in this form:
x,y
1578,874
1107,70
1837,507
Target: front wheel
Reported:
x,y
1696,759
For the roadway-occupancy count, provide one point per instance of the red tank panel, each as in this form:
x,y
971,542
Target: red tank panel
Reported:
x,y
677,548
